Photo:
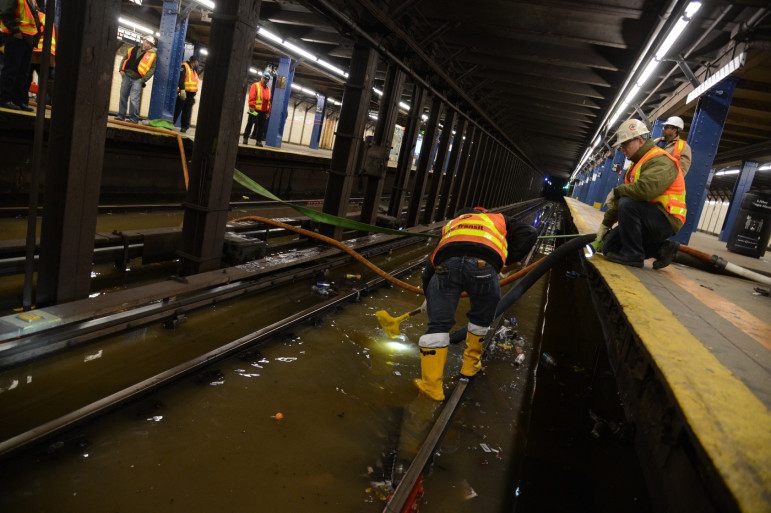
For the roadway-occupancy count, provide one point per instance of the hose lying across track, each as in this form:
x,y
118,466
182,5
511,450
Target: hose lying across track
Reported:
x,y
722,264
361,259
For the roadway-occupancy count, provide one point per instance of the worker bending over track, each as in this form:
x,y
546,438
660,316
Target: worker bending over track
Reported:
x,y
474,247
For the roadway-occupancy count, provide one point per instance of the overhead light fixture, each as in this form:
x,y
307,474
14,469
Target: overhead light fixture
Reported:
x,y
712,81
136,26
728,172
206,3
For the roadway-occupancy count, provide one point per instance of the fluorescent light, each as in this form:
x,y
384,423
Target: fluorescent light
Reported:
x,y
206,3
299,51
136,26
691,9
404,106
252,70
729,172
332,67
204,51
377,91
671,38
765,167
269,35
722,73
649,69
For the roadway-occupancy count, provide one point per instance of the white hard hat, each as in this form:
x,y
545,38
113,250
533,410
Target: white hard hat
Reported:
x,y
675,121
150,39
629,130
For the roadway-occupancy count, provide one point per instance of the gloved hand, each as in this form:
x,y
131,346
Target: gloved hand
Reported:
x,y
602,232
252,112
611,200
183,95
423,307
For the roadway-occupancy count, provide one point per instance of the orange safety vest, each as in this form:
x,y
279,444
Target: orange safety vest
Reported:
x,y
486,229
39,47
144,64
191,79
679,145
673,199
263,97
25,18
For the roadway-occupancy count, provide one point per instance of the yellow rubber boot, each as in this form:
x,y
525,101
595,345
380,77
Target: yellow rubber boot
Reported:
x,y
432,362
472,355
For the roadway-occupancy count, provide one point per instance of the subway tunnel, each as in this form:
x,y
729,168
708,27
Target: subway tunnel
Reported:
x,y
188,313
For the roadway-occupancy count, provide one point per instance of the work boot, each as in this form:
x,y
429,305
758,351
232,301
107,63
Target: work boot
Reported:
x,y
471,356
24,107
246,140
666,253
432,362
9,105
258,143
625,260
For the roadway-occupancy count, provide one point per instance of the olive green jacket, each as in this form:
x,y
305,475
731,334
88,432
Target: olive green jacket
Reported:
x,y
656,175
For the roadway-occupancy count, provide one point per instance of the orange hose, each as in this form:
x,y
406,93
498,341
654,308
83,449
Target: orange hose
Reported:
x,y
361,259
695,252
162,131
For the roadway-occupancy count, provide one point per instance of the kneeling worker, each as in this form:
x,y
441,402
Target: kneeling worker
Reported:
x,y
473,249
649,205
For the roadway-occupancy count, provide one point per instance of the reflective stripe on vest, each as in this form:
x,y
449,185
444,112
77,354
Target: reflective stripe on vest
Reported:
x,y
673,199
679,145
259,101
191,79
144,64
39,47
25,19
486,229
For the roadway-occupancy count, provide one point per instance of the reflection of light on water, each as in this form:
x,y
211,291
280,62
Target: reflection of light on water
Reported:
x,y
285,359
94,356
155,418
399,347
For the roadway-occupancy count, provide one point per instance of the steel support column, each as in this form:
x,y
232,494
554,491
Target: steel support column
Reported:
x,y
219,122
171,48
384,134
406,154
439,165
742,186
424,162
658,129
350,130
318,121
280,102
467,150
465,196
704,138
452,169
76,149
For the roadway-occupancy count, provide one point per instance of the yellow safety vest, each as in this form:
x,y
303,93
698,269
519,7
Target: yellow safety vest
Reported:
x,y
39,47
145,63
486,229
191,78
673,199
25,18
679,145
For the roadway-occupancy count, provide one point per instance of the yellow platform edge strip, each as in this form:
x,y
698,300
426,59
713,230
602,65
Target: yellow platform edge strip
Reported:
x,y
732,425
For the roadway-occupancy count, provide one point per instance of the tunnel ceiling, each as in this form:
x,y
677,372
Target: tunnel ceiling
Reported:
x,y
541,75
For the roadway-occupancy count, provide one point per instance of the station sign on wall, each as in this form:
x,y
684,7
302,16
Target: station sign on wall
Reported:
x,y
129,36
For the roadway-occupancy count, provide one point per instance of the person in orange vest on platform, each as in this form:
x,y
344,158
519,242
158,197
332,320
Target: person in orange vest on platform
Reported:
x,y
474,246
37,59
259,110
136,69
21,31
673,145
649,206
186,91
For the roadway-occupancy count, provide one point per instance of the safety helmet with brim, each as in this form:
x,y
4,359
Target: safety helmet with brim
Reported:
x,y
630,129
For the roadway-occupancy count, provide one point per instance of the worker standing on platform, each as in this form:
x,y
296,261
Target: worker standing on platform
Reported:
x,y
675,146
475,245
186,91
649,206
136,69
259,109
37,58
21,32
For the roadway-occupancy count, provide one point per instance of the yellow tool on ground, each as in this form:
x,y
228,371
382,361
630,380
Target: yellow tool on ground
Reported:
x,y
391,324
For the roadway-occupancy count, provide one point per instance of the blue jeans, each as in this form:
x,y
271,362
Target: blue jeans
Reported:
x,y
642,229
130,87
443,294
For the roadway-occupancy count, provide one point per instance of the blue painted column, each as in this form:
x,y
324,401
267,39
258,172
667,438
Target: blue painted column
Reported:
x,y
658,129
318,121
281,93
171,46
742,185
585,187
704,137
601,184
615,176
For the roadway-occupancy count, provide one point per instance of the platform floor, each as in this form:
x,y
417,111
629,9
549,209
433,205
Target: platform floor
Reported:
x,y
709,336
